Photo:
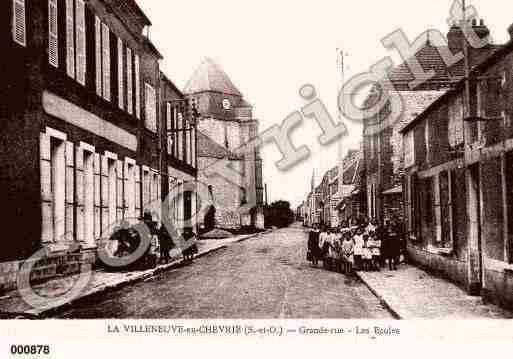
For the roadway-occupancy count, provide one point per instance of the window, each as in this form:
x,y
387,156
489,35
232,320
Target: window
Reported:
x,y
80,30
151,108
88,196
129,82
106,61
98,55
19,27
409,149
445,241
121,95
137,88
70,38
455,123
76,40
371,147
427,140
53,37
169,128
103,64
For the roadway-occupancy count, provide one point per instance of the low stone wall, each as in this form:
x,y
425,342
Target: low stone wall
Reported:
x,y
498,287
45,269
443,266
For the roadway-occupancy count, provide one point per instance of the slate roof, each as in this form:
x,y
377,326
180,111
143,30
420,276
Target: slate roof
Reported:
x,y
207,147
210,77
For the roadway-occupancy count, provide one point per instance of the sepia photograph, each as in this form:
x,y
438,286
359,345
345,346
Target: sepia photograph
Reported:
x,y
166,165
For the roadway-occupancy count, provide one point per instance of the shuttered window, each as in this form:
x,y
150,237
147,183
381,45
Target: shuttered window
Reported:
x,y
98,55
81,58
70,39
168,128
129,81
19,27
53,37
121,95
151,108
137,88
106,61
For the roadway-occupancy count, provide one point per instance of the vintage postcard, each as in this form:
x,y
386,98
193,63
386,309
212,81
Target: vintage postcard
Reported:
x,y
188,174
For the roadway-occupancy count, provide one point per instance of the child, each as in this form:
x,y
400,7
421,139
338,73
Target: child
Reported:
x,y
358,249
375,247
348,254
366,253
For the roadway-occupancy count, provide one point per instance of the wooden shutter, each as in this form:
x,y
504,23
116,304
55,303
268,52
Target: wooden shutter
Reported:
x,y
168,128
53,37
97,196
129,81
151,107
70,39
106,61
137,87
19,27
98,55
70,191
80,24
121,96
46,189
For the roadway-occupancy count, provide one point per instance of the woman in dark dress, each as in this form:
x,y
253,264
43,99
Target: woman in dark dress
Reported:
x,y
313,246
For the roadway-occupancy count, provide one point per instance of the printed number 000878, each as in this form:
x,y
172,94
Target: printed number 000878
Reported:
x,y
30,349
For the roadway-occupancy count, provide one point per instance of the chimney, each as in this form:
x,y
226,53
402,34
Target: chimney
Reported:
x,y
455,36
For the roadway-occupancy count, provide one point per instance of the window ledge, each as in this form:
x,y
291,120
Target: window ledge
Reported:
x,y
498,266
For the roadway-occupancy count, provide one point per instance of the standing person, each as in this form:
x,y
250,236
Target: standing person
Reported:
x,y
323,246
367,253
313,246
358,248
393,244
371,226
348,254
166,244
375,251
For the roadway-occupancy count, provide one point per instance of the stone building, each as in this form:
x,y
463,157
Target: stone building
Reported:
x,y
383,154
82,139
225,126
459,182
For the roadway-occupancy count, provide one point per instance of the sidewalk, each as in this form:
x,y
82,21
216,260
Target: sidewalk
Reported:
x,y
411,293
101,281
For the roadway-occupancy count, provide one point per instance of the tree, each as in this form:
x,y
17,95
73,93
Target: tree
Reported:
x,y
279,214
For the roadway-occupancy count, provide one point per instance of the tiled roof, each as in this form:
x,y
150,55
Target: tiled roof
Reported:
x,y
430,59
416,100
210,77
209,148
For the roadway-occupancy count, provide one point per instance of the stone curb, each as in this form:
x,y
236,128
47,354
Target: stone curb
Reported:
x,y
381,299
118,284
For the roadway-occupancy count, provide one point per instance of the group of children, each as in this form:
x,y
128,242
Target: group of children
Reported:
x,y
346,249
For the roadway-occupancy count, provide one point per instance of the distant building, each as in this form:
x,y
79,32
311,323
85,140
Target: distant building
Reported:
x,y
227,124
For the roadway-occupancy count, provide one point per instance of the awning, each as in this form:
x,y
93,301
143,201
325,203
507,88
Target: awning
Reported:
x,y
395,190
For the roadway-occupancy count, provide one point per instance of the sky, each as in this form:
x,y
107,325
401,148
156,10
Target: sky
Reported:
x,y
270,49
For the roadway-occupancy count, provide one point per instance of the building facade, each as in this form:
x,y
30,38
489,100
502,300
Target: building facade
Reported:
x,y
227,126
82,135
406,98
459,182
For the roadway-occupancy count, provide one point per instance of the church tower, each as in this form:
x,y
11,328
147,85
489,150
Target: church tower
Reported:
x,y
226,118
